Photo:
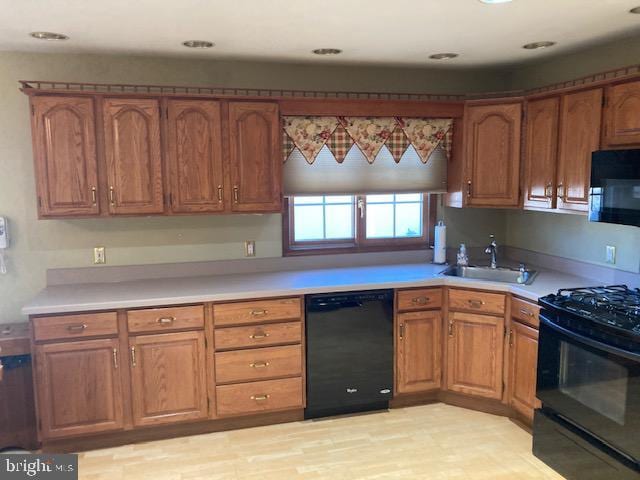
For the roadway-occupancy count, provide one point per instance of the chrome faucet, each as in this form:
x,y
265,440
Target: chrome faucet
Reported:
x,y
492,250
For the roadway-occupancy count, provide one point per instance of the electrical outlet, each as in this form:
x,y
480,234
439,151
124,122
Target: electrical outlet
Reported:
x,y
250,248
99,256
611,254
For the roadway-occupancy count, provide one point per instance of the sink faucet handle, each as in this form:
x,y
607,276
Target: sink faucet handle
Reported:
x,y
522,268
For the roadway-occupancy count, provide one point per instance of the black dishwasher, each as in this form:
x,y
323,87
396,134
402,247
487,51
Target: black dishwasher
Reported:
x,y
349,352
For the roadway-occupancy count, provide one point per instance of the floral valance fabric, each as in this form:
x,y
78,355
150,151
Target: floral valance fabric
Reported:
x,y
369,134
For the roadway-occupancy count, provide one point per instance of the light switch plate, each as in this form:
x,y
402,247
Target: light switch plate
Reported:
x,y
99,256
611,254
250,248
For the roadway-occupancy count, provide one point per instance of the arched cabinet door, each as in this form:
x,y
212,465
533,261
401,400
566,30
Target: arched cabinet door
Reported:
x,y
64,144
133,155
622,122
255,160
195,156
580,119
492,144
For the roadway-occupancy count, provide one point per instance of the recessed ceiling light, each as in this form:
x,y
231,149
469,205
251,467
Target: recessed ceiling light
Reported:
x,y
327,51
635,10
443,56
494,2
537,45
49,36
198,44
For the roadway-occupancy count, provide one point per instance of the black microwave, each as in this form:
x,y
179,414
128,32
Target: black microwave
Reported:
x,y
614,195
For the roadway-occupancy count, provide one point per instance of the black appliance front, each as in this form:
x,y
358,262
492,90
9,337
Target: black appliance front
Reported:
x,y
591,385
349,352
614,196
574,455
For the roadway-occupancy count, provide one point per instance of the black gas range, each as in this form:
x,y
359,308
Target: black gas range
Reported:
x,y
588,381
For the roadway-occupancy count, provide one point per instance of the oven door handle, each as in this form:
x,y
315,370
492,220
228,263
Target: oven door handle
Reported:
x,y
589,341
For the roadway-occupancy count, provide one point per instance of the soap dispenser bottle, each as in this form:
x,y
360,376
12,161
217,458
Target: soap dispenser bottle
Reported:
x,y
462,257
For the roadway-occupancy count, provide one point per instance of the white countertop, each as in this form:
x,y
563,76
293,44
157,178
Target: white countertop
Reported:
x,y
174,291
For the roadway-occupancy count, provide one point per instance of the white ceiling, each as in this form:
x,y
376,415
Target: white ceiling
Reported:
x,y
384,32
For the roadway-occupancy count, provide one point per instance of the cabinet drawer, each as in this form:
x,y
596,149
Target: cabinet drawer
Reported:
x,y
259,396
256,311
258,336
526,312
419,299
165,319
473,301
258,364
75,326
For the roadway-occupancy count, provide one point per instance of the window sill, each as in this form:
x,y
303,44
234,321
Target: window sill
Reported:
x,y
338,249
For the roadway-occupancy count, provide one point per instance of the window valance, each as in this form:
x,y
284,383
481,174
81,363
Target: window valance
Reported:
x,y
310,134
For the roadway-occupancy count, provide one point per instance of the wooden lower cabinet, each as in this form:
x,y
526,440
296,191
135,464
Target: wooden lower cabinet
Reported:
x,y
79,388
418,362
523,358
475,348
168,380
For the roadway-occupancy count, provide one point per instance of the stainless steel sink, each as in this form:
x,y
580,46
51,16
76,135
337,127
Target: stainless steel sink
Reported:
x,y
521,276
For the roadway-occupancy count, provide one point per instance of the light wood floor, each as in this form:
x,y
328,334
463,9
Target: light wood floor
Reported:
x,y
435,441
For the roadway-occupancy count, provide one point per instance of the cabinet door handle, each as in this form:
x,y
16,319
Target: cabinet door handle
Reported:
x,y
258,313
560,191
133,357
220,191
77,328
112,196
236,194
420,300
510,338
94,195
401,331
259,364
166,320
115,358
1,371
258,335
469,188
260,398
450,328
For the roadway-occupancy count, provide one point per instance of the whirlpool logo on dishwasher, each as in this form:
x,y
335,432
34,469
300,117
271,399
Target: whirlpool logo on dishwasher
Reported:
x,y
30,466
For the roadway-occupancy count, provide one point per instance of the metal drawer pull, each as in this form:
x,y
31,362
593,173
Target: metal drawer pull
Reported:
x,y
260,398
115,358
257,313
526,312
420,300
77,328
133,357
476,303
259,364
258,335
166,320
469,188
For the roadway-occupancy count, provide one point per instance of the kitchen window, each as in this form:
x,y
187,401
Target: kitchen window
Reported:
x,y
355,223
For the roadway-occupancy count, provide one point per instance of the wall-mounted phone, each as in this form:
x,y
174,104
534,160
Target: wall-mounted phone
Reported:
x,y
4,242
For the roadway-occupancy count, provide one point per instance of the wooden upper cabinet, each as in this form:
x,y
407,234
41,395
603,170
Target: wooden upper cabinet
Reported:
x,y
541,153
79,388
492,146
168,379
64,142
523,362
622,118
418,351
580,119
133,155
195,156
255,160
475,354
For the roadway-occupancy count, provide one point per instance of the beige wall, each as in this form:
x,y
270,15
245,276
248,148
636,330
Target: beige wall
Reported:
x,y
567,235
38,245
